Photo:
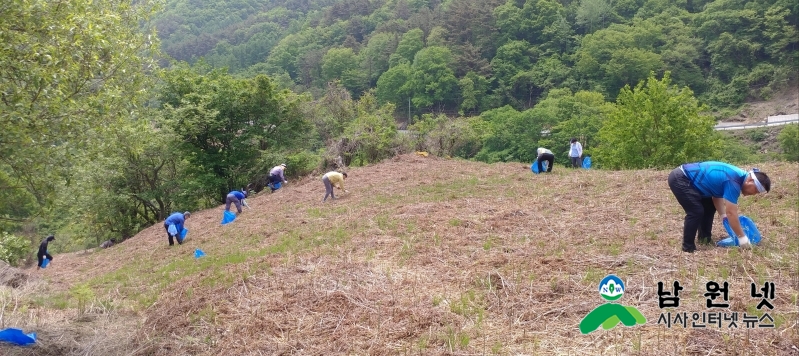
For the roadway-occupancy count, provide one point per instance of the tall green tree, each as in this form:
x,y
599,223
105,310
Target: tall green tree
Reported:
x,y
433,80
374,57
656,125
411,42
445,136
342,64
510,65
331,113
537,21
136,182
226,123
395,85
473,88
746,38
69,70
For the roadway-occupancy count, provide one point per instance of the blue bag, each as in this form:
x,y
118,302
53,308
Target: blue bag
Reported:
x,y
172,230
198,253
16,336
749,228
183,234
587,163
277,185
228,217
534,166
45,262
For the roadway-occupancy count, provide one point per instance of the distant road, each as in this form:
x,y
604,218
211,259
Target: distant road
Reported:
x,y
770,121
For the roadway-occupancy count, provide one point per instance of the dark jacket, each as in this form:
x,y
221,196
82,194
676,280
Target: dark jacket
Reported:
x,y
43,246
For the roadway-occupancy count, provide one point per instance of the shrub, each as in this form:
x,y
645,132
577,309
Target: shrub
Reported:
x,y
303,163
13,248
789,142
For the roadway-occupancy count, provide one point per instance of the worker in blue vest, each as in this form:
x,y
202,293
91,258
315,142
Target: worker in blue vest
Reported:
x,y
236,198
174,225
703,188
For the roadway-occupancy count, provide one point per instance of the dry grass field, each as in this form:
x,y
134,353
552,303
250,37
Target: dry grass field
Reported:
x,y
424,256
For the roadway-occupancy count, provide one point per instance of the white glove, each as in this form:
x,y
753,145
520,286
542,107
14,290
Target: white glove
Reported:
x,y
743,242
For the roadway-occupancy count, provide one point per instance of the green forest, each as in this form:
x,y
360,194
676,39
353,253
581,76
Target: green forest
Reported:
x,y
117,113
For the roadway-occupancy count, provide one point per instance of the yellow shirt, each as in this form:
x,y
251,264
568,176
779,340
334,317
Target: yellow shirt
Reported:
x,y
336,179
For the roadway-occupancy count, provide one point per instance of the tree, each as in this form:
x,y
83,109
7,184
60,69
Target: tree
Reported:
x,y
782,37
370,137
13,248
342,64
512,58
537,21
300,54
394,86
374,57
332,112
742,39
225,124
472,23
284,55
411,42
136,182
593,13
473,88
437,37
467,58
656,125
432,79
70,71
511,135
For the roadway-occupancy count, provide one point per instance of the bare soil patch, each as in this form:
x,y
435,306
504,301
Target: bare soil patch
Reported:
x,y
783,103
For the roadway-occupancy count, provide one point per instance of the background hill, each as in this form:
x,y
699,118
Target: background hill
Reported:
x,y
424,256
470,56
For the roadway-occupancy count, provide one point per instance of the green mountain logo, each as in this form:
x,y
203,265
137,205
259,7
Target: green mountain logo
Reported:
x,y
609,315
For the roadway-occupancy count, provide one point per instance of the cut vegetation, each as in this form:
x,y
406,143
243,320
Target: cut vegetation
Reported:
x,y
424,256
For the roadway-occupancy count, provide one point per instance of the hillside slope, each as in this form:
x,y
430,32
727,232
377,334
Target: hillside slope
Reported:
x,y
424,256
783,102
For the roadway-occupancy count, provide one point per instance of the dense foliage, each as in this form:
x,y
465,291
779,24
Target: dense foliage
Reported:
x,y
474,56
13,248
69,71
